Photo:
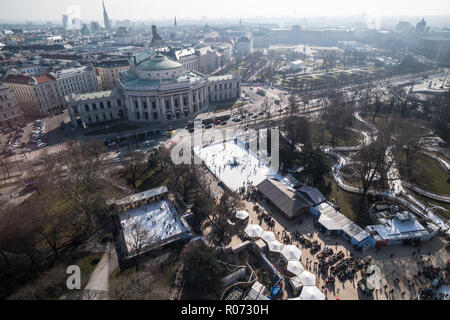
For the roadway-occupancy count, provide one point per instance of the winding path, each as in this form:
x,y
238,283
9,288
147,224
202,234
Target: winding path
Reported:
x,y
397,186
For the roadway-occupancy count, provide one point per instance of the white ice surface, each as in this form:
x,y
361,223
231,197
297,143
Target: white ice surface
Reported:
x,y
218,157
159,218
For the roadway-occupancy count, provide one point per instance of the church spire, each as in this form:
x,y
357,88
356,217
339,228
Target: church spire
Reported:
x,y
175,22
106,18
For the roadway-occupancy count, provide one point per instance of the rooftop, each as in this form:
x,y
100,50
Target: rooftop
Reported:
x,y
332,219
284,197
222,78
131,81
157,62
141,196
93,95
111,63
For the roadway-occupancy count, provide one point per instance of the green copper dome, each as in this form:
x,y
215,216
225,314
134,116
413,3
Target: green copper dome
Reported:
x,y
157,62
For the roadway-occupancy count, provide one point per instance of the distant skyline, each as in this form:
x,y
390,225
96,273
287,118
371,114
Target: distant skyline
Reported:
x,y
141,10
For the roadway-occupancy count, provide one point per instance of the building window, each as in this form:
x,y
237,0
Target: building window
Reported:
x,y
119,103
94,106
86,107
102,106
108,103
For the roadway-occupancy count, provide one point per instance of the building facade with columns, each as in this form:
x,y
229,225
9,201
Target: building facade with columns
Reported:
x,y
154,89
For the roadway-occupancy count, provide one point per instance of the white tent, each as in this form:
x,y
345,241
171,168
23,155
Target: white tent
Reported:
x,y
242,214
275,246
253,230
268,236
307,278
311,293
291,252
295,267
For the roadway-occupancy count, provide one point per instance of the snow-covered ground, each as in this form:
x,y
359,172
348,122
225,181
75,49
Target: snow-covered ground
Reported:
x,y
159,219
235,166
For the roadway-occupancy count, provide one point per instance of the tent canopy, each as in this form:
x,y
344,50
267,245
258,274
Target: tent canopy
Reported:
x,y
295,267
291,252
268,236
307,278
253,230
311,293
242,214
275,246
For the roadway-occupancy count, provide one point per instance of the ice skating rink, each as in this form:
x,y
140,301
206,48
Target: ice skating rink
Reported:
x,y
158,218
233,165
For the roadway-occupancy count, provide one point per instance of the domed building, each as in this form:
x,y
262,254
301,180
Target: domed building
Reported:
x,y
157,88
154,89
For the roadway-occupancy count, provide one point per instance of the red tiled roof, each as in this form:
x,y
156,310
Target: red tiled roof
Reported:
x,y
44,78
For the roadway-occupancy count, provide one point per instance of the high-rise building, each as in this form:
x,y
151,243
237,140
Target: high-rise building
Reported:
x,y
106,18
65,20
420,27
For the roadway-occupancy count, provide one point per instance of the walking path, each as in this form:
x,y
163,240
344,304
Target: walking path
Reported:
x,y
395,182
98,286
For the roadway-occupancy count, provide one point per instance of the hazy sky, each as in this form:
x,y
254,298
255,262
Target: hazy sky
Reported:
x,y
157,9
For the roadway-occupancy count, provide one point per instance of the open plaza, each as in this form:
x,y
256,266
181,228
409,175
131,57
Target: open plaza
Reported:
x,y
335,253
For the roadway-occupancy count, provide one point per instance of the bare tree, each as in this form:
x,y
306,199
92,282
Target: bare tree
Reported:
x,y
292,104
369,165
83,183
139,238
133,167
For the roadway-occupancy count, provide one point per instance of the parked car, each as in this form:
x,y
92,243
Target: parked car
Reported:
x,y
41,145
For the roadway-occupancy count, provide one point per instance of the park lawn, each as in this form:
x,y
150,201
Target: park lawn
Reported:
x,y
158,266
434,177
349,204
114,129
343,138
51,284
380,120
151,179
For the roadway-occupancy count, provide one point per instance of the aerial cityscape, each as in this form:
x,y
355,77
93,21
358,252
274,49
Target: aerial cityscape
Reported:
x,y
263,152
